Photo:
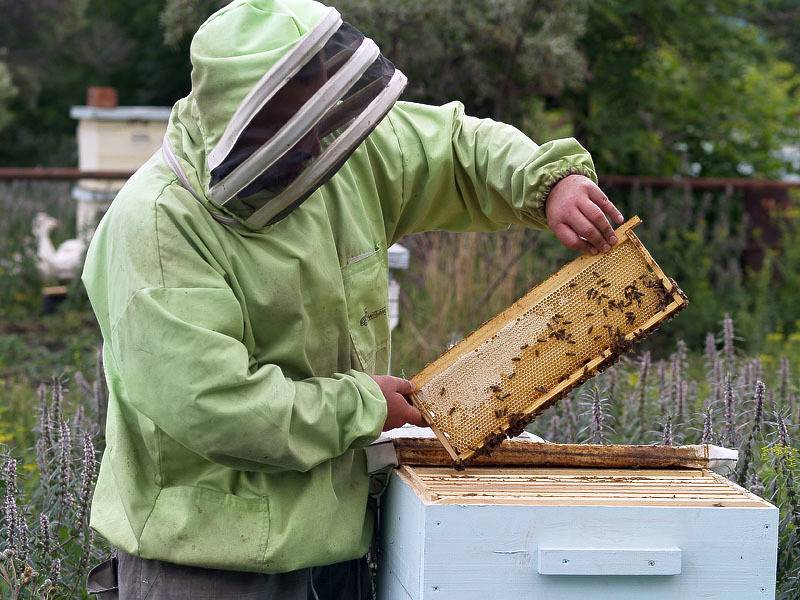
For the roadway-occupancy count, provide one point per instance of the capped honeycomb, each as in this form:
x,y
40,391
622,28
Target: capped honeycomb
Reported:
x,y
565,330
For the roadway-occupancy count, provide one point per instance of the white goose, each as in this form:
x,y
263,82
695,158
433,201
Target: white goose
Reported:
x,y
62,263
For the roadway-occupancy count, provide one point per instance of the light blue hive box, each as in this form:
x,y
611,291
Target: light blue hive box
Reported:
x,y
574,534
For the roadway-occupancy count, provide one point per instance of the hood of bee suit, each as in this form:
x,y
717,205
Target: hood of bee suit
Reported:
x,y
283,91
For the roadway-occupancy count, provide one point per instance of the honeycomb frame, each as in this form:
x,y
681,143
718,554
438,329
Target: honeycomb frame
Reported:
x,y
564,331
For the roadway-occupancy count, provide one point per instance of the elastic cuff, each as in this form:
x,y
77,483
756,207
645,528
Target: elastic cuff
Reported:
x,y
551,179
372,395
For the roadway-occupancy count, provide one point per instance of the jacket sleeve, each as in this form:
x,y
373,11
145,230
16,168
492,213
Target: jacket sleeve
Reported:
x,y
462,173
184,368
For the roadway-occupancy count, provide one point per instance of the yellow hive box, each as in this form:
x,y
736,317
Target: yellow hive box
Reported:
x,y
565,330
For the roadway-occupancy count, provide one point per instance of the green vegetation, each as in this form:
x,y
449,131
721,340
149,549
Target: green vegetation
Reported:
x,y
671,88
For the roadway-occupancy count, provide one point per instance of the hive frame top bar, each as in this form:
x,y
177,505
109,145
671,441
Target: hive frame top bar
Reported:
x,y
673,300
537,486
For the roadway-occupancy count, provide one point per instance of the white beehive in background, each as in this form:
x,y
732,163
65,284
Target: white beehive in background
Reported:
x,y
536,533
111,138
398,259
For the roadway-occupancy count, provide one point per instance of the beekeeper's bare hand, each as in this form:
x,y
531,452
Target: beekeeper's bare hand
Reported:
x,y
578,212
399,410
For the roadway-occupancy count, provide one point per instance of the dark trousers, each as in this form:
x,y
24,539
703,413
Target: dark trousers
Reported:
x,y
129,577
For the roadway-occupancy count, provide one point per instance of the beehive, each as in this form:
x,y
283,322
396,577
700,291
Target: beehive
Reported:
x,y
562,332
574,533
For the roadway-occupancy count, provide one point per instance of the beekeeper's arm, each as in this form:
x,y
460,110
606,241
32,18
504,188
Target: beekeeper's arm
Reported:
x,y
462,173
185,369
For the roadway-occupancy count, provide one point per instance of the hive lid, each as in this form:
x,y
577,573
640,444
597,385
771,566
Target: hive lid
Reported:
x,y
577,487
565,330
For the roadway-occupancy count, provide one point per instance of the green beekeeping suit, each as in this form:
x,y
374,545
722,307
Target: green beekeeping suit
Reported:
x,y
237,358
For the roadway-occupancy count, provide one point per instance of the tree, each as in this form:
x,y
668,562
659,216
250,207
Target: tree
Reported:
x,y
494,56
683,87
7,92
56,48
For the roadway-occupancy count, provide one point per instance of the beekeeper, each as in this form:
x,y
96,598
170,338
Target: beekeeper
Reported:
x,y
240,283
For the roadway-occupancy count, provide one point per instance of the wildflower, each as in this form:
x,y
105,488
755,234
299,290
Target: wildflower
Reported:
x,y
783,433
84,495
708,431
662,382
64,463
554,428
667,438
783,384
758,416
727,341
55,569
644,370
597,418
10,477
23,536
711,348
571,418
56,400
45,424
45,535
716,380
756,485
11,519
730,423
683,392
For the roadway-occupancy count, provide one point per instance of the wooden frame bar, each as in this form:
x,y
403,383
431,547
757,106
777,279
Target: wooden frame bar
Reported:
x,y
433,408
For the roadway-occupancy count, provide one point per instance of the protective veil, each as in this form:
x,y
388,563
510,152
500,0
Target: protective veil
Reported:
x,y
301,121
240,284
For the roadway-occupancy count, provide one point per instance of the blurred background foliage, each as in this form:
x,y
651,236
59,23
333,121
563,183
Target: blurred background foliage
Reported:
x,y
652,88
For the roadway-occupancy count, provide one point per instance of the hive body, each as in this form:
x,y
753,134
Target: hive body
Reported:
x,y
573,534
562,332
